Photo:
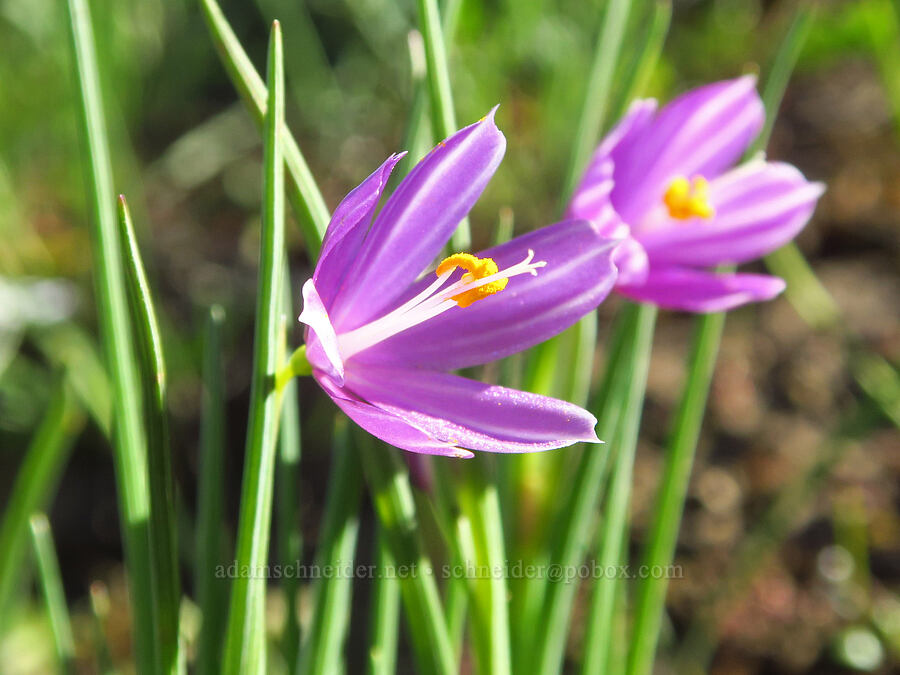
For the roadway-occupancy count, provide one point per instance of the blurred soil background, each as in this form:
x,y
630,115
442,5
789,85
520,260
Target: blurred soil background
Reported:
x,y
790,545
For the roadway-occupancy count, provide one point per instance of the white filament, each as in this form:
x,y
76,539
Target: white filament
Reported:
x,y
426,305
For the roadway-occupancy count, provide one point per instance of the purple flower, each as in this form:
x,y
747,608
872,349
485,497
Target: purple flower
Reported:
x,y
380,339
685,208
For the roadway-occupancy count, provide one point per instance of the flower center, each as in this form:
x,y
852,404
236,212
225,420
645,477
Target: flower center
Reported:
x,y
483,278
688,199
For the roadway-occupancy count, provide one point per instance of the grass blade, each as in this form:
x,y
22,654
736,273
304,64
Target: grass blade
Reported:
x,y
388,482
129,445
163,536
305,198
576,518
489,596
210,588
437,76
54,596
613,533
598,90
34,484
660,546
322,650
245,648
385,621
646,55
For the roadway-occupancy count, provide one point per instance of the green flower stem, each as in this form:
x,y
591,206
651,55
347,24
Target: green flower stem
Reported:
x,y
673,489
437,75
163,545
393,499
296,366
245,643
210,589
305,198
384,626
54,596
666,520
614,529
322,651
129,444
34,484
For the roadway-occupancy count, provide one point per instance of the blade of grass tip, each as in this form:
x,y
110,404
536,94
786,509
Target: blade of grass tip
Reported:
x,y
152,370
614,528
287,505
437,76
245,644
597,94
34,484
321,652
666,520
389,485
489,595
305,198
384,626
130,452
211,588
54,596
573,526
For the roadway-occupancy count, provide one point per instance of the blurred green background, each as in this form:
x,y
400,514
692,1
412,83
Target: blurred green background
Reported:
x,y
791,539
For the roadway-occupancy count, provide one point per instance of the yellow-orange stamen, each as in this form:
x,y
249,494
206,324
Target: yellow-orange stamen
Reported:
x,y
688,199
476,268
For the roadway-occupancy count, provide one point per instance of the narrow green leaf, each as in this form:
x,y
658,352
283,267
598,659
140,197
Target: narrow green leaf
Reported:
x,y
614,528
597,93
54,596
418,136
647,55
34,484
304,195
152,372
392,495
384,626
456,606
129,444
575,519
322,650
660,546
437,76
489,595
245,644
211,588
